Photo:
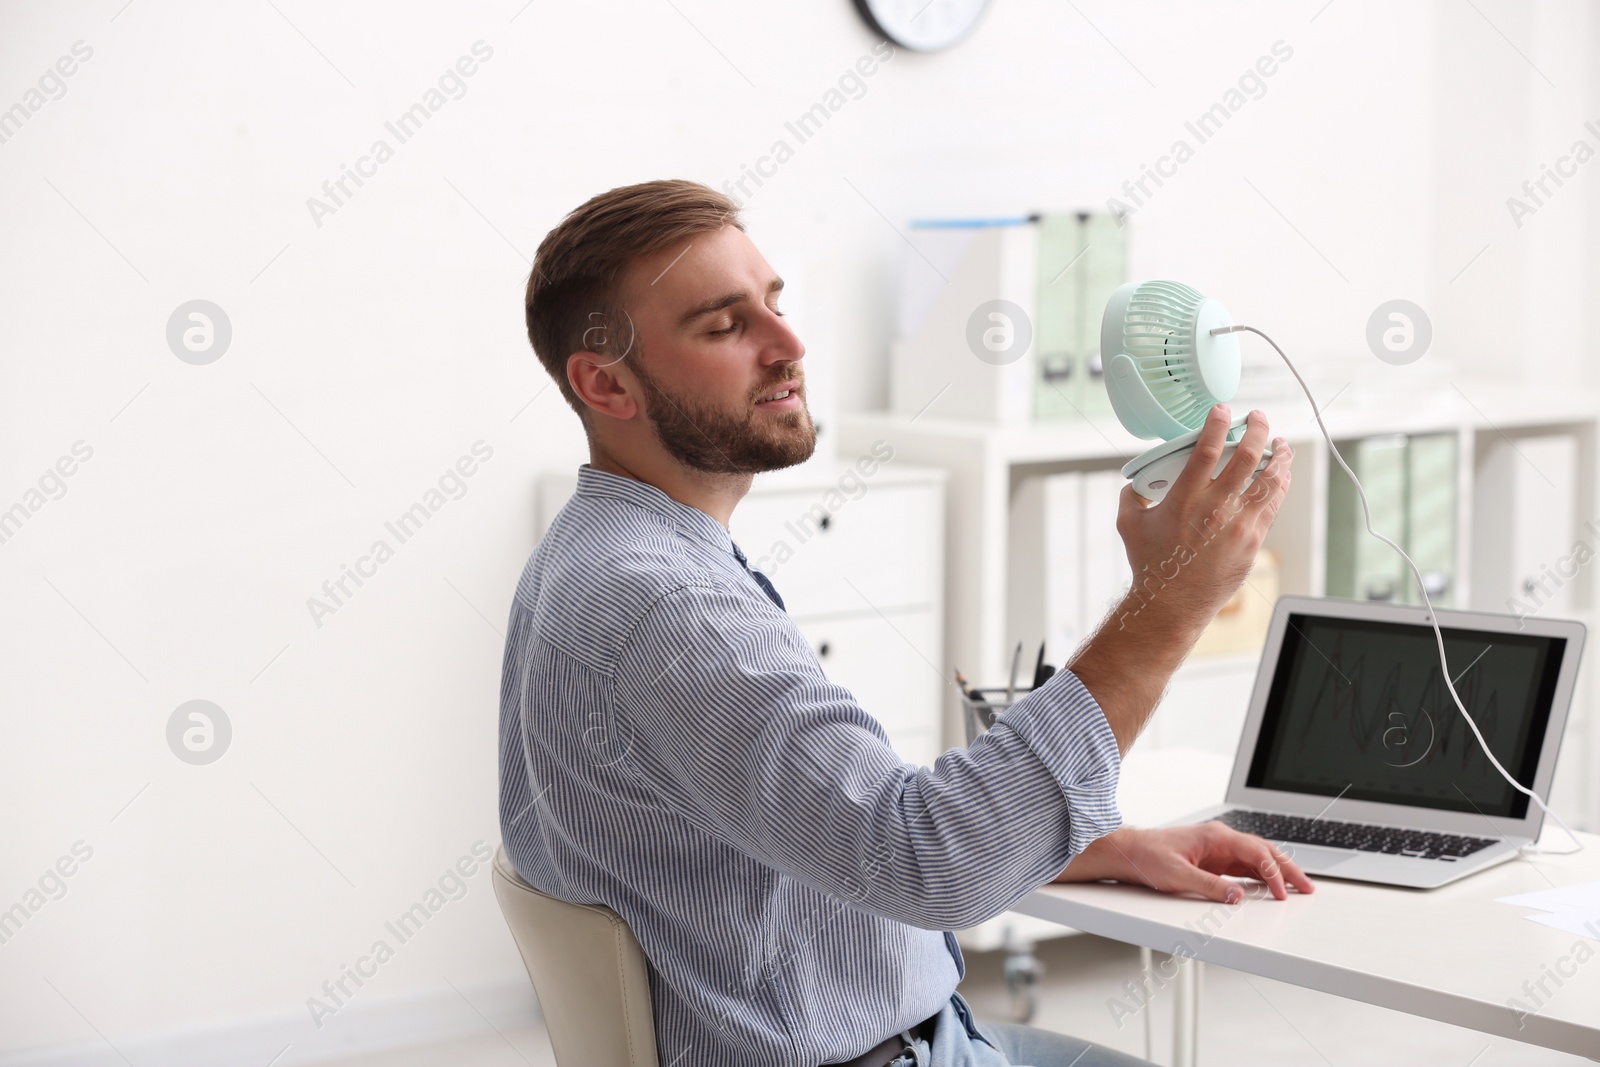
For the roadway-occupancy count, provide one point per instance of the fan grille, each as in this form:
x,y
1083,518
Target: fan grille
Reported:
x,y
1158,332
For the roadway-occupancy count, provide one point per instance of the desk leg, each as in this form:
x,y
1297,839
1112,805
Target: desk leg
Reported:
x,y
1147,965
1185,1011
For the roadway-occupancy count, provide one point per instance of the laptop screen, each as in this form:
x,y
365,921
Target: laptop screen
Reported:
x,y
1359,708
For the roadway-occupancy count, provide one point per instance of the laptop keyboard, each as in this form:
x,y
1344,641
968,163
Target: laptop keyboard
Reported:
x,y
1390,840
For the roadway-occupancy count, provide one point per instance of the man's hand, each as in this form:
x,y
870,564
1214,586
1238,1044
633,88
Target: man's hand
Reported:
x,y
1188,859
1189,555
1196,546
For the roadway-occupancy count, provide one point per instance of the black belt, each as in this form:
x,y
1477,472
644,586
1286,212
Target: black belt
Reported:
x,y
894,1046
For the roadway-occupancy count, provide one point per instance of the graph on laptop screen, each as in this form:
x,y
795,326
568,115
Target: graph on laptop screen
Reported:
x,y
1360,708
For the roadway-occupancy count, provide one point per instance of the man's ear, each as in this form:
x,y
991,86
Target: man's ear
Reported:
x,y
604,383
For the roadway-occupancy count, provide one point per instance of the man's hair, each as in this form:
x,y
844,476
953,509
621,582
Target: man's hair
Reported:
x,y
573,300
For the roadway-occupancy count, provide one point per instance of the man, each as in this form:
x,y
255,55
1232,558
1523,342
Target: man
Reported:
x,y
671,748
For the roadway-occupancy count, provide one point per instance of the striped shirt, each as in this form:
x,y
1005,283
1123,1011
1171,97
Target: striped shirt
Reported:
x,y
671,748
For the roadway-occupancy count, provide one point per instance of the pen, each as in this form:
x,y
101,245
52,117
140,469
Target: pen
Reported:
x,y
1038,668
979,706
1011,679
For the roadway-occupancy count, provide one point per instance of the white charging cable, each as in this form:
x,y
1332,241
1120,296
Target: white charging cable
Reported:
x,y
1437,633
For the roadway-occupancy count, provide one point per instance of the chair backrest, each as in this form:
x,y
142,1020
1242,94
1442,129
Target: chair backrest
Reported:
x,y
588,970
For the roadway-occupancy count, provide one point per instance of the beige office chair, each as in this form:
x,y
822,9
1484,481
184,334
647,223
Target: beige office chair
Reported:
x,y
588,970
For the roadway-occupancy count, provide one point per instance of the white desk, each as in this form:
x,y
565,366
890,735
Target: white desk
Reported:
x,y
1451,954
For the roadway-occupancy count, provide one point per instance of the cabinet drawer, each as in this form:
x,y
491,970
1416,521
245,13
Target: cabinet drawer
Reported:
x,y
888,662
880,550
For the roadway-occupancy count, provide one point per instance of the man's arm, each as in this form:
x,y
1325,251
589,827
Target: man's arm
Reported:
x,y
721,711
1189,555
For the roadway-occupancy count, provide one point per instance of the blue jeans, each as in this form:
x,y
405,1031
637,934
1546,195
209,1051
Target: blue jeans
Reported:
x,y
960,1042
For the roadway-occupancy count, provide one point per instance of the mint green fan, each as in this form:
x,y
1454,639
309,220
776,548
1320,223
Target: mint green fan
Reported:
x,y
1164,370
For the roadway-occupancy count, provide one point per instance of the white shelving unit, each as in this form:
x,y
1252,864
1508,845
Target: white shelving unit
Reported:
x,y
1206,704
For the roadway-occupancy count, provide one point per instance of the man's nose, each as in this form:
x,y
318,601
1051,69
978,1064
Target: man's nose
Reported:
x,y
784,343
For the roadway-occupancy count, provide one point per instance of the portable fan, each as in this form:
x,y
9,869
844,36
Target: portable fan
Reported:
x,y
1165,369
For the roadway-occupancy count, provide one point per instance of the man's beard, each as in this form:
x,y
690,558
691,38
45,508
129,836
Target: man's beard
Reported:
x,y
720,442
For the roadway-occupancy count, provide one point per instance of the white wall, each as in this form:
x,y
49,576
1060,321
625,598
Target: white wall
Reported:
x,y
376,348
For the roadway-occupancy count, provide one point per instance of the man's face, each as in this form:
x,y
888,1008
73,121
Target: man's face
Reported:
x,y
711,346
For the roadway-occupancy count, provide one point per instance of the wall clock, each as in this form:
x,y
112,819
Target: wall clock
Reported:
x,y
923,25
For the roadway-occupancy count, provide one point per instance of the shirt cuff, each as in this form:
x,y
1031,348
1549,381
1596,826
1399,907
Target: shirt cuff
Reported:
x,y
1064,727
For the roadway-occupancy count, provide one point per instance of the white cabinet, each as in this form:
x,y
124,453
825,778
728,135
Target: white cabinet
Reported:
x,y
880,658
856,551
859,562
880,550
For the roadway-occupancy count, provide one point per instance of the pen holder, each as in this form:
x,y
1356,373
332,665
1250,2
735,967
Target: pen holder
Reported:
x,y
978,715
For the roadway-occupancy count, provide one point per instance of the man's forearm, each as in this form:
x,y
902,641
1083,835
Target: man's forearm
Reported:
x,y
1127,664
1206,532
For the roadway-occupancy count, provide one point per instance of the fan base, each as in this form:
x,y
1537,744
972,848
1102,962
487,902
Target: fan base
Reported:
x,y
1154,470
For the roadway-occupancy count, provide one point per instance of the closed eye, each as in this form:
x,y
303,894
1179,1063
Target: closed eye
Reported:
x,y
730,329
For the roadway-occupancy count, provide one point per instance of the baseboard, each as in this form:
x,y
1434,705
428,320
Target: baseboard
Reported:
x,y
288,1038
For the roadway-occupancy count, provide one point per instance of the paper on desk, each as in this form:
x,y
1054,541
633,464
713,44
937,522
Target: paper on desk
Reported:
x,y
1573,908
1573,922
1584,897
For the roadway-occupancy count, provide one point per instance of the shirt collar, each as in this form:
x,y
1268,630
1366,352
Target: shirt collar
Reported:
x,y
594,482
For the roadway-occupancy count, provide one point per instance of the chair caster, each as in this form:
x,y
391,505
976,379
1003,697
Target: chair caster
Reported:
x,y
1022,972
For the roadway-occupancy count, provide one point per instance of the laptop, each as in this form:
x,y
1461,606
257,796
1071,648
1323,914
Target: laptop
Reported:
x,y
1355,760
